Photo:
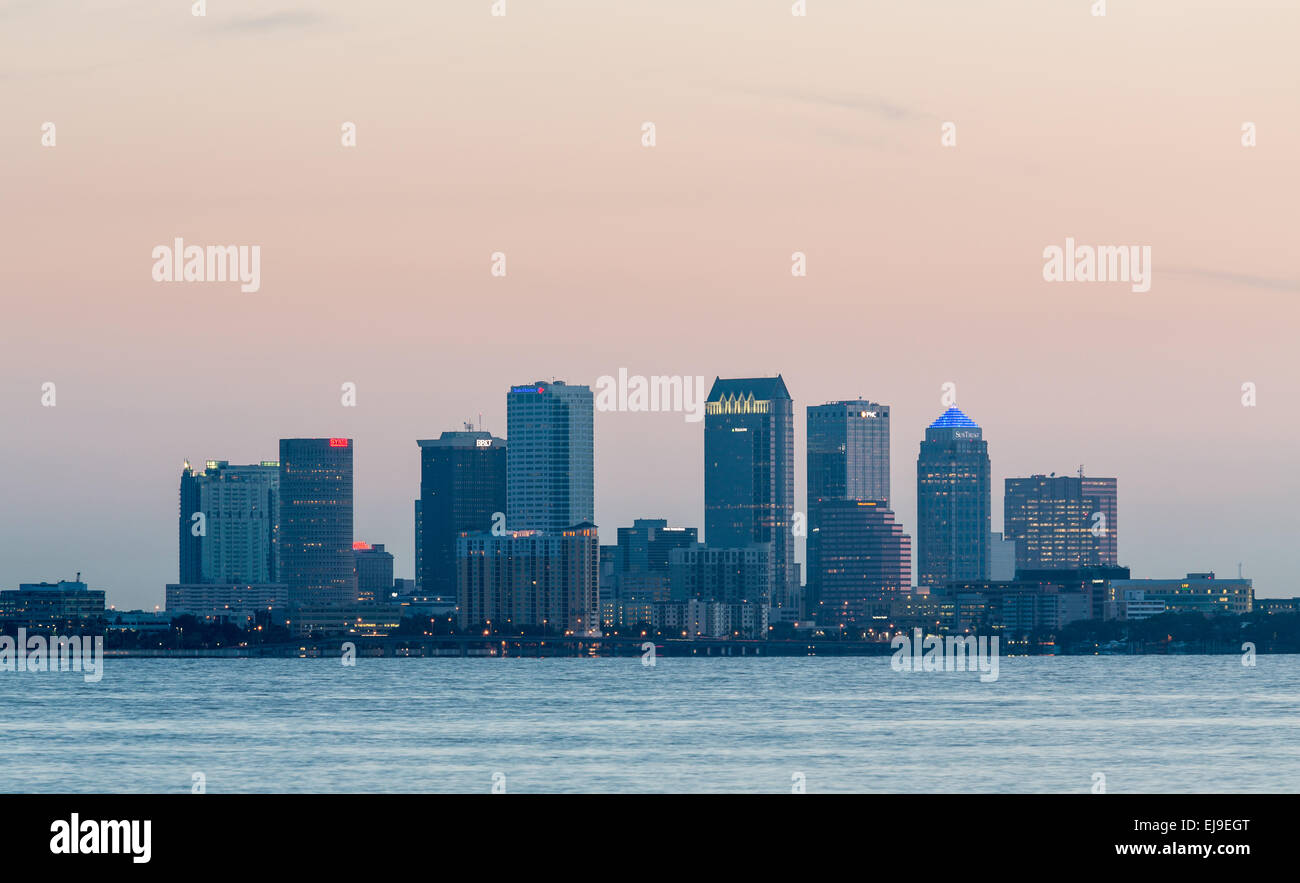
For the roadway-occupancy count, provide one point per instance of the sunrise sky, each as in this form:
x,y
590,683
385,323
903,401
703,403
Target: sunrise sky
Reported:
x,y
522,134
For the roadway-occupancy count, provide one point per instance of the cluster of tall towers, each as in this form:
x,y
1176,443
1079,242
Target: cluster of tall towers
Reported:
x,y
513,518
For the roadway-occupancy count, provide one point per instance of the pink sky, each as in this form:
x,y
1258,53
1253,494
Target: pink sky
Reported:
x,y
522,134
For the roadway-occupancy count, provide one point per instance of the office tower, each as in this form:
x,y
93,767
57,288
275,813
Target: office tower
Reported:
x,y
67,603
462,485
238,604
635,573
550,466
749,476
953,489
1001,559
530,580
1105,491
848,452
235,539
316,559
848,459
374,572
1201,593
729,576
862,553
1062,521
643,553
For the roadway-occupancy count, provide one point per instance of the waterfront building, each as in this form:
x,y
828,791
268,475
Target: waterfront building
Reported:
x,y
229,518
530,580
550,465
953,501
316,521
462,486
1062,521
749,477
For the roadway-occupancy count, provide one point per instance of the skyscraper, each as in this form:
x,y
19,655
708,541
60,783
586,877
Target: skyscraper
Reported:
x,y
749,476
1062,521
316,520
228,523
462,485
848,459
953,502
848,452
550,466
862,554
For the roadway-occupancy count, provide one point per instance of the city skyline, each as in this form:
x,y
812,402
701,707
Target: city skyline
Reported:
x,y
406,560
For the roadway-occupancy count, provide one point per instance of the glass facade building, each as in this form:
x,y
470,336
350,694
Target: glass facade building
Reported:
x,y
862,553
953,502
316,521
1062,521
462,485
749,475
848,459
550,466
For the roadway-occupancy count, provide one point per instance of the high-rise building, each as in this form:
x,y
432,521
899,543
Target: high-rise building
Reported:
x,y
848,459
749,476
550,466
228,523
848,452
374,572
1062,521
316,521
953,502
862,553
462,486
530,580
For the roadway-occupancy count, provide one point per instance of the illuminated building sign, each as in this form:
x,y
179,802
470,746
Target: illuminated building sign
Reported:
x,y
359,546
482,442
338,443
528,389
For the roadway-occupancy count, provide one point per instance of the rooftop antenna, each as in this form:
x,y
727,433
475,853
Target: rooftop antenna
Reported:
x,y
1081,470
1239,570
469,427
480,419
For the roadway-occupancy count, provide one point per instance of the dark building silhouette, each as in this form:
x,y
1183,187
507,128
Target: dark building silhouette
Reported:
x,y
953,502
749,476
462,485
374,572
316,521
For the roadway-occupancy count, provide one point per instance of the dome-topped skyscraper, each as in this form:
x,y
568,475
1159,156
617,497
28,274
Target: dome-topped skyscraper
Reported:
x,y
953,502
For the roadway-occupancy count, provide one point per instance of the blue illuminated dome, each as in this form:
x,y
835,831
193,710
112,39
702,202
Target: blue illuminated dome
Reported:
x,y
954,419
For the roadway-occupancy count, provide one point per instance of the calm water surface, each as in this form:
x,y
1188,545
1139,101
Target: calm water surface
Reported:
x,y
1195,723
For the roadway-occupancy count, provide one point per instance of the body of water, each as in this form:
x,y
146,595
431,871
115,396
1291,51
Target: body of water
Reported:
x,y
1147,723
